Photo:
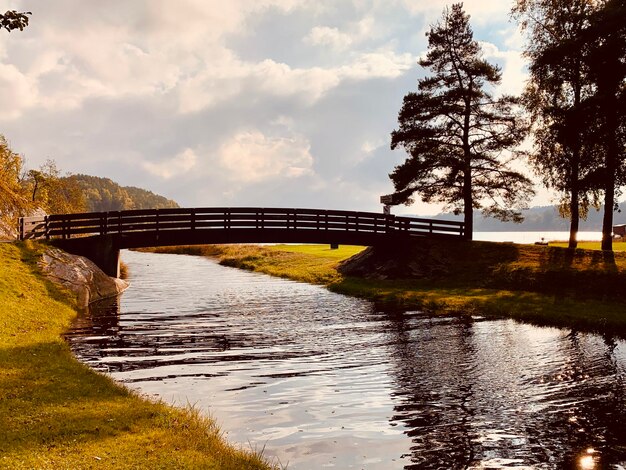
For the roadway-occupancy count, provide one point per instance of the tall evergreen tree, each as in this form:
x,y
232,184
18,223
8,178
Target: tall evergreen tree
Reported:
x,y
557,87
456,132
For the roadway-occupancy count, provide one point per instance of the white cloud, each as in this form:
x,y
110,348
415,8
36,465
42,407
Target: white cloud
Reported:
x,y
161,49
253,157
325,36
235,76
119,48
178,165
171,85
481,11
379,64
370,146
17,92
514,72
353,34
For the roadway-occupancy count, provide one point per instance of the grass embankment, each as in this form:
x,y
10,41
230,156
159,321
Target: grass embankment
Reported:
x,y
57,413
544,285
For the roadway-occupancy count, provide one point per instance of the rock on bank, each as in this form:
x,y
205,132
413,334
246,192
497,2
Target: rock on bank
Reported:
x,y
80,275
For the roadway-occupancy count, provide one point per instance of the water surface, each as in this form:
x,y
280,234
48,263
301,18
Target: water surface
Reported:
x,y
326,381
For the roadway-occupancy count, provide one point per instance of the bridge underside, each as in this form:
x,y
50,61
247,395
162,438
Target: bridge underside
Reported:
x,y
104,250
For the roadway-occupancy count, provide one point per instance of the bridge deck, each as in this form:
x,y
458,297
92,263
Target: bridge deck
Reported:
x,y
100,235
232,225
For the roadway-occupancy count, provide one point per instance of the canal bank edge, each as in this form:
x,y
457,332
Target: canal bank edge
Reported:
x,y
544,285
57,413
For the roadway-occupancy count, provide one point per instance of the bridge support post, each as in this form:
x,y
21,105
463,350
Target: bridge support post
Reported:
x,y
103,250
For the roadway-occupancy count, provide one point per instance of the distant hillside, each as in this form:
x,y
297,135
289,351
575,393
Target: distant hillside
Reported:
x,y
543,218
103,194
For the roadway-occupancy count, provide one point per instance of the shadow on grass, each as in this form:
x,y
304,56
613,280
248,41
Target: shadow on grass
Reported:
x,y
50,400
567,259
57,413
605,260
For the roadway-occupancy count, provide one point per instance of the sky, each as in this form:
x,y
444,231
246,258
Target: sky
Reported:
x,y
276,103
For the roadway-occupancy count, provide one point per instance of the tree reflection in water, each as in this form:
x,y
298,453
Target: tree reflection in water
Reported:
x,y
476,394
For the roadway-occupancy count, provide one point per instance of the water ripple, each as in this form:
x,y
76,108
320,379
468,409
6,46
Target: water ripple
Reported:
x,y
321,379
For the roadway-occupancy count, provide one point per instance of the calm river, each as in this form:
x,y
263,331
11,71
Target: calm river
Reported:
x,y
326,381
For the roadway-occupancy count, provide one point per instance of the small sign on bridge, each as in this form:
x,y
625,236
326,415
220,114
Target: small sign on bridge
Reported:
x,y
389,200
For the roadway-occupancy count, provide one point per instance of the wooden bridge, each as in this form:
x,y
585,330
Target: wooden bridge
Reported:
x,y
100,235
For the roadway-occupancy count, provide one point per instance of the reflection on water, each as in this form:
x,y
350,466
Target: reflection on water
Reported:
x,y
323,380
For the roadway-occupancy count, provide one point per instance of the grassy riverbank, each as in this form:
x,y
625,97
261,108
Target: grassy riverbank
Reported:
x,y
544,285
57,413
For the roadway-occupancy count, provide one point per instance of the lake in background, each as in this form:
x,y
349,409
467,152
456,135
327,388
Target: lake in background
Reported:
x,y
532,237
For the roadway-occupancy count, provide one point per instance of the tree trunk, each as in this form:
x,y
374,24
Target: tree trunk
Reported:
x,y
35,187
607,220
468,201
611,176
468,204
574,219
574,208
469,222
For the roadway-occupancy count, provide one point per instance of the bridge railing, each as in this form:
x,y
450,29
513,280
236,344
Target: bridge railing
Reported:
x,y
229,218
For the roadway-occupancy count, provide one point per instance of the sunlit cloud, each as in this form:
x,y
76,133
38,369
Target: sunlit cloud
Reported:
x,y
252,157
513,66
178,165
205,99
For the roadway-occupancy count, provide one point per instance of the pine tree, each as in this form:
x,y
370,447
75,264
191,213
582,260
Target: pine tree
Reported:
x,y
456,132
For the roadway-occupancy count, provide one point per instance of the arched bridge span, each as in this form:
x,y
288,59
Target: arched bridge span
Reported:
x,y
100,235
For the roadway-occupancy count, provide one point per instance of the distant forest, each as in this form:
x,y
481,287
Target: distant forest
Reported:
x,y
541,218
103,194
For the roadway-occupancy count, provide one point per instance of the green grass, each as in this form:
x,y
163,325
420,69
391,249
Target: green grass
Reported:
x,y
617,246
544,285
57,413
314,264
321,251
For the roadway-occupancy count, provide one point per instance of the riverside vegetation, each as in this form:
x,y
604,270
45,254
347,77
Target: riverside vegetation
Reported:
x,y
57,413
551,285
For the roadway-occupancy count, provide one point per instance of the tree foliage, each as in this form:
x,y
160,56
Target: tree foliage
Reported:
x,y
103,194
24,192
45,189
558,86
605,41
54,193
13,19
456,132
576,93
14,200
